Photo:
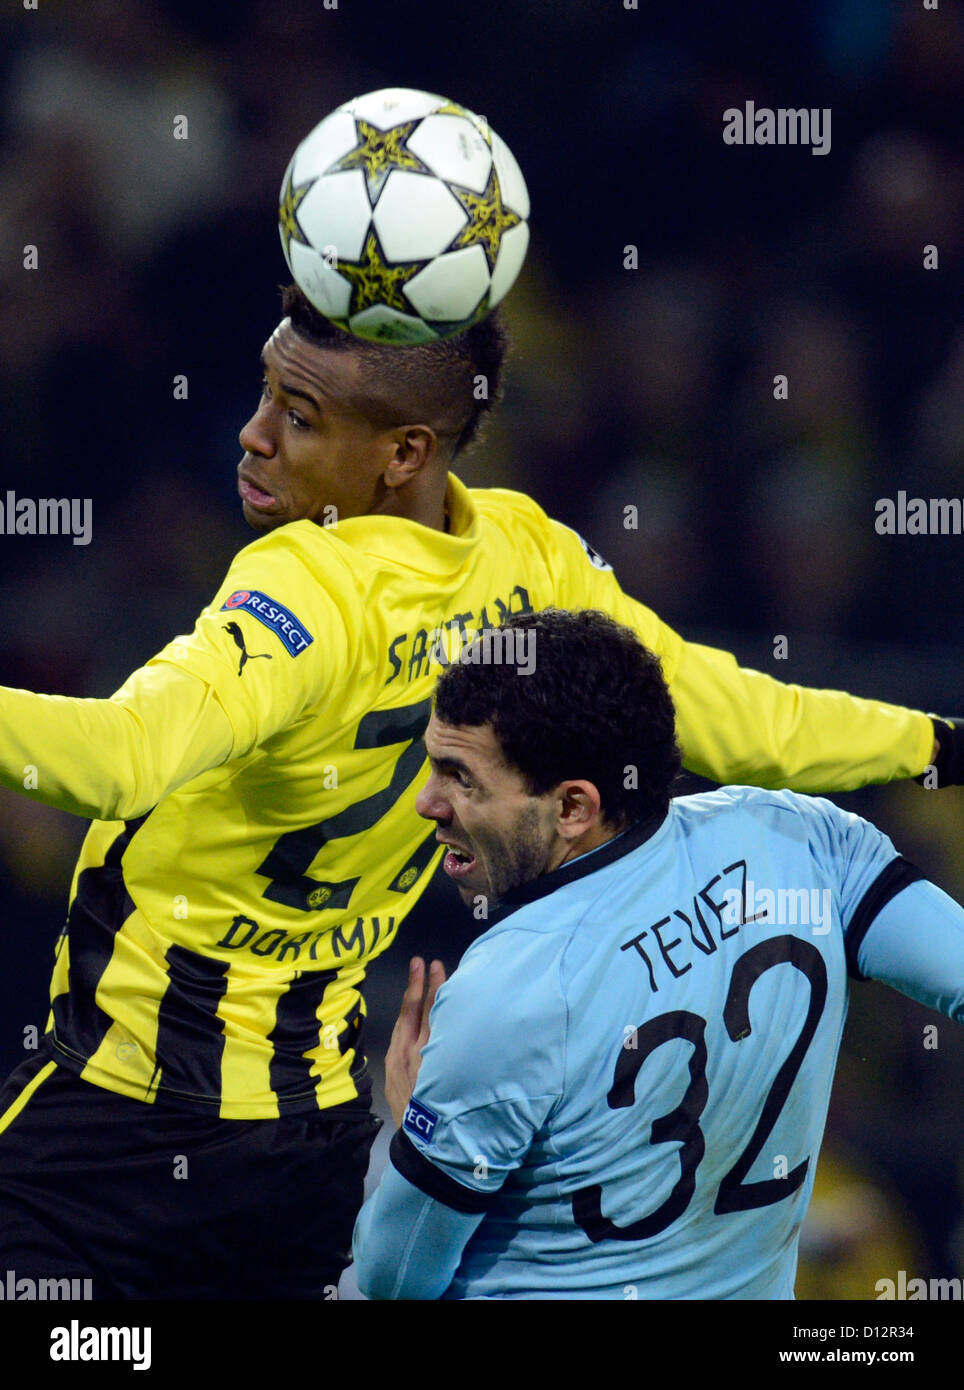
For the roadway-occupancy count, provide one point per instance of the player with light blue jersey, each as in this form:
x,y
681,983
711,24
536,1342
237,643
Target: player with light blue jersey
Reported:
x,y
627,1078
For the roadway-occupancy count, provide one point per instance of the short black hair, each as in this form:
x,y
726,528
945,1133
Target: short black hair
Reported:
x,y
595,705
448,384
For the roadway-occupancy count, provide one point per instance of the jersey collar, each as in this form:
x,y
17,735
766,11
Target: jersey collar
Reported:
x,y
413,546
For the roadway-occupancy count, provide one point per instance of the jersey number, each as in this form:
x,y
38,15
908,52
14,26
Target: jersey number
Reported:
x,y
292,855
682,1125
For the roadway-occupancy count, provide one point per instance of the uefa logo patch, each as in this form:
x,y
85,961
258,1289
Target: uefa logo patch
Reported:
x,y
420,1121
281,620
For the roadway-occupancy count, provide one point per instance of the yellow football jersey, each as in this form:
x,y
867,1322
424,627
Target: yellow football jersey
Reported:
x,y
256,842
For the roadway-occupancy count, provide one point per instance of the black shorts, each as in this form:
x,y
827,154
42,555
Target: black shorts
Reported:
x,y
152,1201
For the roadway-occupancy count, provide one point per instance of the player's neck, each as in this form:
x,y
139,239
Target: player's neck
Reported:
x,y
423,503
598,835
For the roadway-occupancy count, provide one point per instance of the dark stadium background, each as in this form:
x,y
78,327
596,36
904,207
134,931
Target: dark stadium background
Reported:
x,y
650,387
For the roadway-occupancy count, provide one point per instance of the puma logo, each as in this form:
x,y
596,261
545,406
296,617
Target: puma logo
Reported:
x,y
238,636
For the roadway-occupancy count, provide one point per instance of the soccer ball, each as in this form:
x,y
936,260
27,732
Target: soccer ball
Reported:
x,y
403,217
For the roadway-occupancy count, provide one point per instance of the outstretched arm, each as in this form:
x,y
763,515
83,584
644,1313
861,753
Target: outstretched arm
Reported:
x,y
250,668
739,725
113,759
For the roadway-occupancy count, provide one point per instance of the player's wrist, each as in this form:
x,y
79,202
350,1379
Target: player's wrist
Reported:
x,y
946,768
395,1099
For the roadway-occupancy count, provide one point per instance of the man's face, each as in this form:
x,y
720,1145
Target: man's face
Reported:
x,y
307,448
482,808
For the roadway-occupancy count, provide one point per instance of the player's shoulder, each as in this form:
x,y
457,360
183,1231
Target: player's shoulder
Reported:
x,y
798,815
521,968
516,512
724,801
298,563
515,968
498,1026
504,507
299,544
759,800
296,582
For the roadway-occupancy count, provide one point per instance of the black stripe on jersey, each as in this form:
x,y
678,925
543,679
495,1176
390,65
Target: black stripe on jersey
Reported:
x,y
354,1026
99,909
405,879
381,727
352,1037
190,1036
897,875
297,1030
364,814
424,1175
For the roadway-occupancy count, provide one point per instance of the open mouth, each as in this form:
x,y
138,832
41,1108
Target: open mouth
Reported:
x,y
255,496
458,862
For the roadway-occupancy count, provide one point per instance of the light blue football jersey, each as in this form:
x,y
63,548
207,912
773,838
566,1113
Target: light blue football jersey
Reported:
x,y
627,1079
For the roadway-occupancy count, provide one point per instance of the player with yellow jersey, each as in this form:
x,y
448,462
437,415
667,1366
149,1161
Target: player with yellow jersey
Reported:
x,y
255,841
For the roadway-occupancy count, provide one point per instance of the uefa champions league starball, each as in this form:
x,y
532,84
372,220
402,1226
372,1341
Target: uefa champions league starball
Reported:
x,y
403,217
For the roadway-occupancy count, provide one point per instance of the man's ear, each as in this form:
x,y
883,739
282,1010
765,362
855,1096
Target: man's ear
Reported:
x,y
413,449
581,809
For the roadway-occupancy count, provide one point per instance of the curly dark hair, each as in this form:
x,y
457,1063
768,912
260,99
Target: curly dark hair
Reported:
x,y
428,383
594,706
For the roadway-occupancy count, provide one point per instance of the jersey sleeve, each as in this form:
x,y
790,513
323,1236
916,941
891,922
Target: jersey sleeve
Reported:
x,y
899,928
736,725
112,759
914,942
268,647
273,642
856,860
406,1244
490,1073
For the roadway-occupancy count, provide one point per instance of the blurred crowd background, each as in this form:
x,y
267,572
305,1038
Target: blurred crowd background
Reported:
x,y
650,387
